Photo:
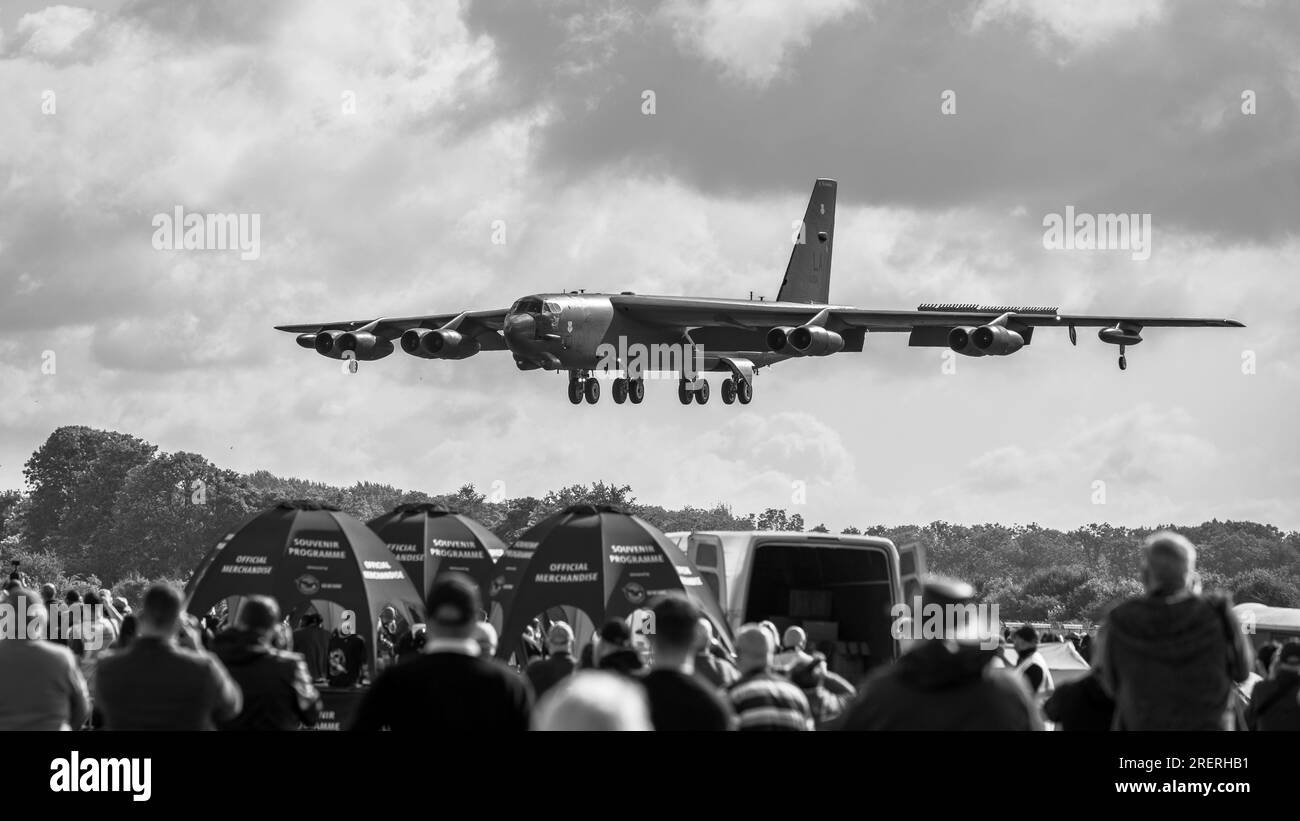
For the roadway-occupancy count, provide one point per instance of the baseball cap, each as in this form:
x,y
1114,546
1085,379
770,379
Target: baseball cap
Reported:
x,y
453,601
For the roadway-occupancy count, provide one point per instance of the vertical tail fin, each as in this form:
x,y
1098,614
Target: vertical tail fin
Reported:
x,y
808,276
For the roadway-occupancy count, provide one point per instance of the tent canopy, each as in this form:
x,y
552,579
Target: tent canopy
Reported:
x,y
598,559
431,539
302,552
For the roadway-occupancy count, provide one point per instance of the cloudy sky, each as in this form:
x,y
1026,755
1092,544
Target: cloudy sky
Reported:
x,y
470,113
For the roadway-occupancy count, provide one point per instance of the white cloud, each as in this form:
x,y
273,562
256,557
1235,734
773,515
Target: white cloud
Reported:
x,y
752,40
1078,23
53,33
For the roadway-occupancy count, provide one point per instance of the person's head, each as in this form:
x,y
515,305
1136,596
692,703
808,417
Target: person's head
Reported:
x,y
452,607
388,615
703,635
160,612
560,638
486,636
770,627
1287,658
675,621
795,638
92,598
30,608
121,605
259,615
1168,563
1264,656
71,597
592,700
48,592
126,632
754,648
614,635
1025,638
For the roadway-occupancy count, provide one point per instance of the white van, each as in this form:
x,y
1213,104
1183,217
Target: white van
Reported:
x,y
839,589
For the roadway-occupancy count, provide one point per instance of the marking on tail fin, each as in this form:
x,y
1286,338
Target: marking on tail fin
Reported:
x,y
808,274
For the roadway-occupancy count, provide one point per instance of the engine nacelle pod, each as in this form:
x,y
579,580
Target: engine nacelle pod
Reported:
x,y
306,341
814,340
961,341
1122,334
995,340
439,344
326,344
778,341
363,346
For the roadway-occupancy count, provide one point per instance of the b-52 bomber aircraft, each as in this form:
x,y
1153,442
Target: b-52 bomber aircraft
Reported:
x,y
584,333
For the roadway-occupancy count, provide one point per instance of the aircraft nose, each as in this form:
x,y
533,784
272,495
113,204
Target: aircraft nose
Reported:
x,y
520,326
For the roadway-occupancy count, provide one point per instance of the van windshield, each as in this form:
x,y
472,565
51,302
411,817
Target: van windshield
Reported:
x,y
840,596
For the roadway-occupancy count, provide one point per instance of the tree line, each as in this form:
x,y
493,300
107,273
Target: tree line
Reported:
x,y
107,508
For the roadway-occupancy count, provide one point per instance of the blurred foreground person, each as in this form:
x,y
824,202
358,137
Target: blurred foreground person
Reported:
x,y
1081,705
545,673
448,687
278,691
813,678
1275,703
945,683
710,667
678,701
41,687
591,700
762,698
1170,658
155,684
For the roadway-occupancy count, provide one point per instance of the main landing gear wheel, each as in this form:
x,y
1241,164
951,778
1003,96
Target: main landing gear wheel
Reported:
x,y
728,391
684,393
702,393
592,390
575,391
1123,360
745,392
620,391
636,390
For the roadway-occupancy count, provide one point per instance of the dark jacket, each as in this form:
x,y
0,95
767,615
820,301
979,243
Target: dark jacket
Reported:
x,y
1273,704
278,691
1081,705
437,692
933,687
626,661
545,673
156,685
312,643
1171,665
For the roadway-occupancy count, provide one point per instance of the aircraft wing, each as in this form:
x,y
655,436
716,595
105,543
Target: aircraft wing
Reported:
x,y
690,313
485,326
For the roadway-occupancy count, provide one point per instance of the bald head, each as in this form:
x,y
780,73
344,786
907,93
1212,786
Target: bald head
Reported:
x,y
560,638
1169,560
795,638
754,647
486,636
593,701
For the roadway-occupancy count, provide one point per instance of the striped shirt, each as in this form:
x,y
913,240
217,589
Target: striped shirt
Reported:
x,y
764,700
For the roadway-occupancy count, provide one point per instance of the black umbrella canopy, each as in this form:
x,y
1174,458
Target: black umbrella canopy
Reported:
x,y
597,558
299,552
430,540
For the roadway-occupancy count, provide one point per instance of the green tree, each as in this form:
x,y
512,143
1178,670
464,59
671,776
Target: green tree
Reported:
x,y
168,514
74,479
1266,587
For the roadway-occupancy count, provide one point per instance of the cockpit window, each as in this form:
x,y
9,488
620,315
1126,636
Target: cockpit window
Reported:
x,y
552,308
527,306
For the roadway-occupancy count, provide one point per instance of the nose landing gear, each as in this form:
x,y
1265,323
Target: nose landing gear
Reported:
x,y
1123,360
